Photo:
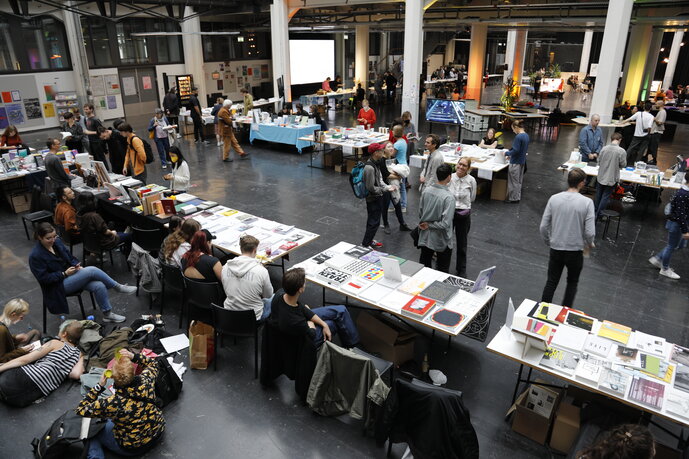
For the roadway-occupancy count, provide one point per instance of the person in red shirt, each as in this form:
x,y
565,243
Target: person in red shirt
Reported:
x,y
366,117
10,138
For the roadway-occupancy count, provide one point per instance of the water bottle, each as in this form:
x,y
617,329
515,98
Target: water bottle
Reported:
x,y
91,318
62,318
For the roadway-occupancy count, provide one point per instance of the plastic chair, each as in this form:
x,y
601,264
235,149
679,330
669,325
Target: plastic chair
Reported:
x,y
172,280
148,239
40,210
92,245
237,324
199,295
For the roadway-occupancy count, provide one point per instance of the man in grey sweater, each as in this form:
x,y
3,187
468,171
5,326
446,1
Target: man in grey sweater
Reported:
x,y
436,213
612,158
568,227
375,186
434,160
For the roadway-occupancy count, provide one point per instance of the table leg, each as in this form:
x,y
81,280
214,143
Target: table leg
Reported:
x,y
516,386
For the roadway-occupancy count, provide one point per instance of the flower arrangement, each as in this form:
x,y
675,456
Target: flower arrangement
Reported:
x,y
510,95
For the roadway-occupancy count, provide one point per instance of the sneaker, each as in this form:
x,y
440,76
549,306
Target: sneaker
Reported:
x,y
164,166
244,156
404,210
655,261
179,136
669,272
386,229
206,142
113,318
227,160
124,288
218,144
375,244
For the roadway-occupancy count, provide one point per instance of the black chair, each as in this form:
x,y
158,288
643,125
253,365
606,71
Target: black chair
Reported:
x,y
92,245
68,237
172,280
41,210
148,239
81,306
199,295
241,324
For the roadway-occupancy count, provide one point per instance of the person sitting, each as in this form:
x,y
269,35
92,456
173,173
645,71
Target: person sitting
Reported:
x,y
35,375
10,138
455,93
300,110
54,167
91,222
180,176
178,243
75,140
246,281
295,318
489,141
624,441
65,213
60,274
11,345
134,423
409,128
317,118
325,86
198,263
366,117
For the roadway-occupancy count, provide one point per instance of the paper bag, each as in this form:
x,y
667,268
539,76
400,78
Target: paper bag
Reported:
x,y
201,345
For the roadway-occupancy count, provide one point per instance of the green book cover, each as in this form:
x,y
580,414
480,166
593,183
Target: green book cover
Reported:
x,y
650,364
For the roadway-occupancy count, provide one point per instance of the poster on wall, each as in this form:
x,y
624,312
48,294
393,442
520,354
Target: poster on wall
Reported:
x,y
112,102
6,97
33,109
97,85
129,86
15,115
220,85
49,110
245,70
251,71
3,118
112,84
16,96
257,73
99,102
146,82
265,73
49,91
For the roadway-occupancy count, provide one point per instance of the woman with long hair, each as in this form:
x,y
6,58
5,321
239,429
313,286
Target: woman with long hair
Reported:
x,y
10,138
489,141
177,243
180,176
627,441
91,222
11,345
198,263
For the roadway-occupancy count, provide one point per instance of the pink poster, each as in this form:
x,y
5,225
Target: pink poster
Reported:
x,y
146,80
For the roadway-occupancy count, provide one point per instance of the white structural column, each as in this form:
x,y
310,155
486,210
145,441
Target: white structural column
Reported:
x,y
193,51
361,56
279,39
610,62
477,61
509,54
517,65
75,42
413,50
651,63
672,60
450,51
586,52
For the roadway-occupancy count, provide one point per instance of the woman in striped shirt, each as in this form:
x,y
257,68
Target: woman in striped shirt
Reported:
x,y
27,378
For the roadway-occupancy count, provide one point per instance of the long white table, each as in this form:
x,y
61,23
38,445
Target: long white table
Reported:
x,y
486,161
637,177
351,146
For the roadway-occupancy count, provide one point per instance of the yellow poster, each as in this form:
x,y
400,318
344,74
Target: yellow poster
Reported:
x,y
49,110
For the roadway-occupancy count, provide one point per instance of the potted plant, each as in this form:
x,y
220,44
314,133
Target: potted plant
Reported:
x,y
510,95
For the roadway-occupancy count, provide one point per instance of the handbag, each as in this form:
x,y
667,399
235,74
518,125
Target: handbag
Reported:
x,y
415,236
151,134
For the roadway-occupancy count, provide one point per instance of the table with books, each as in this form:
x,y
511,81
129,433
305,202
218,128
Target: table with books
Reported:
x,y
409,290
486,161
652,178
635,368
352,141
288,134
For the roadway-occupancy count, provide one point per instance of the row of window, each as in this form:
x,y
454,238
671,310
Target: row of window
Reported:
x,y
32,45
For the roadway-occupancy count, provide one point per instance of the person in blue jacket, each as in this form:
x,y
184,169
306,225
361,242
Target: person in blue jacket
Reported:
x,y
517,156
591,140
60,274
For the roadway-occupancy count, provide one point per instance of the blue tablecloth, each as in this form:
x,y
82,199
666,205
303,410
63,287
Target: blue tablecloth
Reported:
x,y
283,134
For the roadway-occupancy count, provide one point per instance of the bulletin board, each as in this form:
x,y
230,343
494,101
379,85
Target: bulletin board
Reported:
x,y
20,102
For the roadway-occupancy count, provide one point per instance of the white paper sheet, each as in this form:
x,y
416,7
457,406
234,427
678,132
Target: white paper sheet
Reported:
x,y
175,343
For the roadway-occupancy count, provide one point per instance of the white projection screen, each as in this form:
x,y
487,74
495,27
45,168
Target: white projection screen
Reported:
x,y
311,61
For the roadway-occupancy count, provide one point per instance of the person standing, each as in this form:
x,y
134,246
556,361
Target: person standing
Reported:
x,y
366,116
214,113
159,127
436,212
644,124
391,177
568,228
657,130
135,158
433,161
248,100
171,106
391,86
517,156
229,141
677,226
74,141
590,140
95,145
116,144
612,158
196,116
179,177
400,145
373,179
463,189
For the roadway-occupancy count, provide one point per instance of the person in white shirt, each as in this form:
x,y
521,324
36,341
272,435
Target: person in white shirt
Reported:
x,y
657,131
644,123
180,176
246,281
177,243
463,189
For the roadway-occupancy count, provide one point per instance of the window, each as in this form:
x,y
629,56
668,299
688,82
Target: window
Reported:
x,y
29,45
249,45
169,47
132,50
96,42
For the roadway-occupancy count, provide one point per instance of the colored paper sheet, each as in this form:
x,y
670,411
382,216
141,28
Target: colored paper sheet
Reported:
x,y
6,97
49,110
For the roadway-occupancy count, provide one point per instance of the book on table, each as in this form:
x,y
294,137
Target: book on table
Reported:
x,y
567,337
679,354
598,345
332,276
354,285
650,344
582,321
626,356
650,364
463,284
358,251
532,327
614,382
418,307
560,360
682,378
615,332
590,368
677,403
647,392
440,292
446,319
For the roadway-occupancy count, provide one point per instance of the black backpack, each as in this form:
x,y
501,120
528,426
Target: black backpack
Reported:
x,y
147,147
62,440
168,384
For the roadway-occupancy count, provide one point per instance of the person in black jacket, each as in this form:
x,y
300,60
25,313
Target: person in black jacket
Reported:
x,y
60,274
171,106
116,145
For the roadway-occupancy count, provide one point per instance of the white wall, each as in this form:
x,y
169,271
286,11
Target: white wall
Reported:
x,y
229,76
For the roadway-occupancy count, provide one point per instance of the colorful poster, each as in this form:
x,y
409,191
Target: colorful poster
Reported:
x,y
16,96
99,102
244,70
49,110
251,71
257,73
15,115
49,92
97,85
146,82
33,109
112,84
6,97
265,73
112,102
3,118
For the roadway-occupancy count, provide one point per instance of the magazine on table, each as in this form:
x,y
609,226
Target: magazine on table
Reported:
x,y
560,360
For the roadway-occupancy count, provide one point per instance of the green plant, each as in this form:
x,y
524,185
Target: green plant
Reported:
x,y
510,94
553,71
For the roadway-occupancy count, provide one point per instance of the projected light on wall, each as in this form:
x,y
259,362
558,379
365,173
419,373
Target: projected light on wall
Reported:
x,y
311,61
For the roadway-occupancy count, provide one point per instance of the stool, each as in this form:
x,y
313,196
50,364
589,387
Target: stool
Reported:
x,y
36,217
610,215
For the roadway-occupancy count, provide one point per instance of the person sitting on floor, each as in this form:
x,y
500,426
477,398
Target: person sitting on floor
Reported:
x,y
198,263
178,243
91,222
60,274
134,424
11,345
65,213
295,318
35,375
246,281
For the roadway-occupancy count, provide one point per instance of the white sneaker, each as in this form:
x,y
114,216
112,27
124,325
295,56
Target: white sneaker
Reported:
x,y
113,318
669,272
124,288
404,210
218,144
655,261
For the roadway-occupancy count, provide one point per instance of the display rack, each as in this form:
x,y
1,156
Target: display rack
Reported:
x,y
64,101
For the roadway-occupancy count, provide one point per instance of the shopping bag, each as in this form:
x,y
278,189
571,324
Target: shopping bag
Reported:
x,y
201,345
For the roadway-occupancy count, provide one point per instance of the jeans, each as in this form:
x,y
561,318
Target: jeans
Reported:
x,y
603,193
403,192
674,238
387,200
653,142
340,323
442,262
105,439
142,176
559,259
267,307
637,149
163,146
462,224
198,126
373,210
93,280
17,389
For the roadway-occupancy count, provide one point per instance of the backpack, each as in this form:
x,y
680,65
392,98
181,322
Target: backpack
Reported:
x,y
63,438
356,179
147,148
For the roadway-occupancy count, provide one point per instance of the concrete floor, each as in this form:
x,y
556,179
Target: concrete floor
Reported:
x,y
227,413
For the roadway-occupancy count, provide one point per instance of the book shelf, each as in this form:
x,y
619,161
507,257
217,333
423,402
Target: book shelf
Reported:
x,y
64,101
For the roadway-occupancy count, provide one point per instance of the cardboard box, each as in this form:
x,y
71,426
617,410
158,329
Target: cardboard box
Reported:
x,y
390,339
534,412
332,158
498,189
565,427
19,202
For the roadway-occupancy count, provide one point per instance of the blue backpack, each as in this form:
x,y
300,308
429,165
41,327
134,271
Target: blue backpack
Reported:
x,y
356,179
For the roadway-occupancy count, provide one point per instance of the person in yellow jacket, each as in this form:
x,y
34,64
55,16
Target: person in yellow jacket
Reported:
x,y
135,159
